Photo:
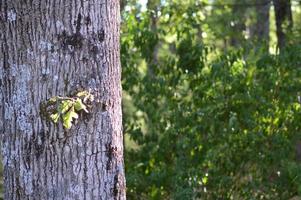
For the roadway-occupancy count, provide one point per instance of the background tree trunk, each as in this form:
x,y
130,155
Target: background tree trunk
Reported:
x,y
54,48
283,14
239,26
153,8
261,28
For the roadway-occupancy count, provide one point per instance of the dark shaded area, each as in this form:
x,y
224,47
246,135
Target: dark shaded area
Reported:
x,y
75,40
284,20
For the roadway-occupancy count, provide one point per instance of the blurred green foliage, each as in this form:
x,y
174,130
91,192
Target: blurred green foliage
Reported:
x,y
209,122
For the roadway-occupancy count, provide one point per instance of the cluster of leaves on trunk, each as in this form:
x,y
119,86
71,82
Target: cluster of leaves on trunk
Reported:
x,y
66,109
206,123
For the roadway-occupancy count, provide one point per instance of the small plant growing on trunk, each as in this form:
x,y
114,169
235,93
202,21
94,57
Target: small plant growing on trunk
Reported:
x,y
66,109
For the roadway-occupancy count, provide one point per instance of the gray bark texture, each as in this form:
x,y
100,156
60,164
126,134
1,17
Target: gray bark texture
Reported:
x,y
55,48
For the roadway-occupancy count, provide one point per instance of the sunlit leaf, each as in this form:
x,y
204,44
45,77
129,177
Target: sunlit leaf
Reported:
x,y
68,118
80,106
65,106
82,94
55,117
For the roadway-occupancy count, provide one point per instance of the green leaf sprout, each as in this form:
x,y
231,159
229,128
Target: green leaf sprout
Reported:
x,y
67,109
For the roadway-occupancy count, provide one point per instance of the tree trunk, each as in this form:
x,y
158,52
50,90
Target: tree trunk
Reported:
x,y
239,26
55,48
283,14
261,29
152,7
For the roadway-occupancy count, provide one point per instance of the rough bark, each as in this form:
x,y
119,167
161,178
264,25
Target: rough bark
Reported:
x,y
284,19
54,48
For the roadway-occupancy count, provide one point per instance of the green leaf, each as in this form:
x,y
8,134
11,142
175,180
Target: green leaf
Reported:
x,y
68,118
82,94
65,106
79,105
52,100
85,95
55,117
205,180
